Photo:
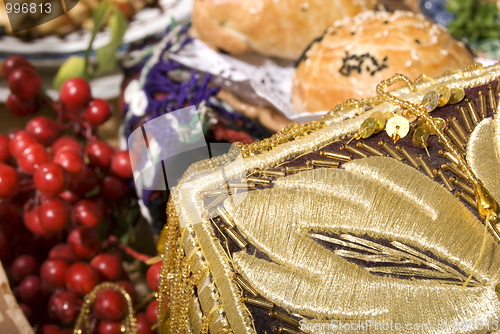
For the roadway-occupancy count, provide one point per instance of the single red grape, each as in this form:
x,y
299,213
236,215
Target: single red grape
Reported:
x,y
30,290
152,312
23,266
120,165
65,142
81,278
109,305
143,325
87,213
51,179
113,188
32,222
86,181
109,327
70,196
153,276
127,286
71,160
9,181
75,92
98,112
64,306
63,251
24,82
14,62
32,157
20,141
44,129
53,271
108,265
84,241
54,215
99,153
20,107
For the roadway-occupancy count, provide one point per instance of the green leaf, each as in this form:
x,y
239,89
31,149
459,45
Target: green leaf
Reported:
x,y
73,67
100,15
106,56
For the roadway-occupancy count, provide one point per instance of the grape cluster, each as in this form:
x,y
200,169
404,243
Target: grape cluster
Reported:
x,y
59,184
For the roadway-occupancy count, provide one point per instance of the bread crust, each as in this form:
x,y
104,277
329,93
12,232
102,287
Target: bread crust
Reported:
x,y
401,42
280,28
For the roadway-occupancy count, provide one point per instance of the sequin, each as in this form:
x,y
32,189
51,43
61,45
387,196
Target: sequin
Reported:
x,y
439,123
368,127
430,101
444,95
397,127
421,135
380,120
457,95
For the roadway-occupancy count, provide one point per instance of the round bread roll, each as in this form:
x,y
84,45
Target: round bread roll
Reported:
x,y
280,28
357,53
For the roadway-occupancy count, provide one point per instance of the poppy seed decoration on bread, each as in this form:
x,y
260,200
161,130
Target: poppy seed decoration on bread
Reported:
x,y
357,53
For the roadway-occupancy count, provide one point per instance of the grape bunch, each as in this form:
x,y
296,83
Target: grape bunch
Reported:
x,y
60,187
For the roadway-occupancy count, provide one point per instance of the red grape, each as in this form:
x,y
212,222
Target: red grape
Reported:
x,y
14,62
86,181
143,325
20,107
32,222
53,271
75,92
49,329
4,148
28,312
20,141
24,82
9,181
30,290
44,129
23,266
70,196
87,213
153,276
32,157
109,327
64,306
108,265
65,142
54,215
109,305
71,160
84,241
51,179
98,112
63,251
99,153
81,278
127,286
120,165
113,187
152,312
